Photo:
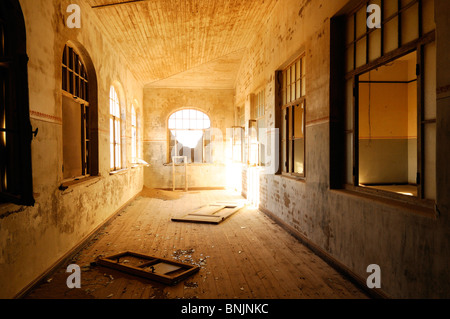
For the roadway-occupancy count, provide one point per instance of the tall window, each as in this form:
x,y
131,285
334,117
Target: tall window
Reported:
x,y
115,130
237,141
76,116
190,136
293,95
257,134
133,135
15,129
390,99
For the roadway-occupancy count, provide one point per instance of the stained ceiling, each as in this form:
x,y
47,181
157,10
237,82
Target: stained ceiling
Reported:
x,y
183,43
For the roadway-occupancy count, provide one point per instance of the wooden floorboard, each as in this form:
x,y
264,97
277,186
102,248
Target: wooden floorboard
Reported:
x,y
248,256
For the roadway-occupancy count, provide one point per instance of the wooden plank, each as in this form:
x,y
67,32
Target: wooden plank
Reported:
x,y
211,214
199,219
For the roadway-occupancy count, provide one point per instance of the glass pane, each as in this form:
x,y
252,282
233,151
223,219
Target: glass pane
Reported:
x,y
430,81
349,159
118,159
283,156
117,132
299,156
303,66
172,123
71,58
288,76
111,130
71,83
178,123
111,150
428,23
410,24
293,91
304,86
350,30
87,123
375,45
361,52
64,79
299,121
390,34
404,3
293,75
349,61
288,94
186,123
290,156
349,105
430,161
290,123
77,64
262,140
298,92
361,22
283,124
390,8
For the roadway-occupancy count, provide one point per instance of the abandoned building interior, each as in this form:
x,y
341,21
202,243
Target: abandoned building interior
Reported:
x,y
322,142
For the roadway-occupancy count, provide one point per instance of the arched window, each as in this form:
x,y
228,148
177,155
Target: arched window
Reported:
x,y
115,130
76,116
190,136
16,184
134,153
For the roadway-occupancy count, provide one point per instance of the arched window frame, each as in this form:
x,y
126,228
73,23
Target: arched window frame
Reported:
x,y
115,130
134,138
15,127
77,141
183,121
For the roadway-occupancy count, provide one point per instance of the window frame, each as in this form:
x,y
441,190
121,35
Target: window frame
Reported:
x,y
340,134
75,85
237,144
287,122
15,113
116,163
204,139
257,114
134,147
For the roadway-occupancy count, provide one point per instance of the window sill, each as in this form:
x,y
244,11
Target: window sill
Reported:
x,y
78,182
424,208
294,177
119,172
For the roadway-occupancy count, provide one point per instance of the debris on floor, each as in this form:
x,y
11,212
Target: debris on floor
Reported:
x,y
165,271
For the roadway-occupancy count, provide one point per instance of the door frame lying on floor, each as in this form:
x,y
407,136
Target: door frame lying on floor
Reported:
x,y
171,277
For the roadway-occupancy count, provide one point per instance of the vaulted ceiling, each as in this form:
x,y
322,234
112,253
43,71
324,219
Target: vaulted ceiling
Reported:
x,y
183,43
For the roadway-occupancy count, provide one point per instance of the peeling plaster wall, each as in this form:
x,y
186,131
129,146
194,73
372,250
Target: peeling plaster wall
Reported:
x,y
32,239
159,104
412,250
